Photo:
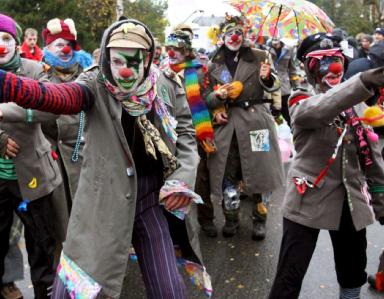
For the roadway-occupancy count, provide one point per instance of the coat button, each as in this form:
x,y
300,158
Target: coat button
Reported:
x,y
130,171
345,179
128,195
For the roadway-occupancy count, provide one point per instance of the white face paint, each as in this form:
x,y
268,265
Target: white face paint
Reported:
x,y
127,68
233,39
7,47
62,49
175,55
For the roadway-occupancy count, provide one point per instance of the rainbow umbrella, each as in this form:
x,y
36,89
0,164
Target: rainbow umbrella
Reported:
x,y
292,19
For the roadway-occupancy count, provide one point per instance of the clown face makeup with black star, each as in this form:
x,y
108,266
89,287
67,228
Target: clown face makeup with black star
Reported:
x,y
62,49
127,68
175,55
233,38
7,47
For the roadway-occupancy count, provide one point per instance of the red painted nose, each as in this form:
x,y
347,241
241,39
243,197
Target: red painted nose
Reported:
x,y
66,50
125,73
335,67
234,37
3,50
171,53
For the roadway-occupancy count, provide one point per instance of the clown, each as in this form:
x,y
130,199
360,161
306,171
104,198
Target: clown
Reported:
x,y
138,174
65,61
28,176
245,135
182,64
336,181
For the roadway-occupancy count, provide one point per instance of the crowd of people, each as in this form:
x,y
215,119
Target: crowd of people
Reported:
x,y
127,149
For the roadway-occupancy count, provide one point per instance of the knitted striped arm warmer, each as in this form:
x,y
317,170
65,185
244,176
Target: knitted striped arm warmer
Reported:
x,y
65,98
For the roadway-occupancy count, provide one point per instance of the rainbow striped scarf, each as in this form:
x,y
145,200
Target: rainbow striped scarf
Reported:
x,y
200,115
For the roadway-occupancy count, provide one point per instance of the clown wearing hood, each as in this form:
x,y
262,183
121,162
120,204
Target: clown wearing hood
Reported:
x,y
182,63
140,155
245,134
336,180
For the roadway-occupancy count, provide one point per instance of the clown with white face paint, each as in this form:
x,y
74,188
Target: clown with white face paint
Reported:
x,y
233,38
7,47
245,134
62,49
25,180
127,68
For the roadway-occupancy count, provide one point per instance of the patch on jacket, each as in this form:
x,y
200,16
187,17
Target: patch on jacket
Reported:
x,y
226,76
297,99
259,140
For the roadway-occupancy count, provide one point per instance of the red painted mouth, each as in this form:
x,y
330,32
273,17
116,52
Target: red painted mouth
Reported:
x,y
332,79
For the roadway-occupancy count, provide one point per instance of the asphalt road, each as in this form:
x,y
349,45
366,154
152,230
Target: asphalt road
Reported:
x,y
241,268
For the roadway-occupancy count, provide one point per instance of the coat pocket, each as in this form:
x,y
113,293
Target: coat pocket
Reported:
x,y
46,162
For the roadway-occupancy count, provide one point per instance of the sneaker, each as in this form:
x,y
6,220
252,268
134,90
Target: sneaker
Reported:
x,y
10,291
209,229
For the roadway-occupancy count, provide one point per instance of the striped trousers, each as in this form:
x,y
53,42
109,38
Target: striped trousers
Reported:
x,y
153,246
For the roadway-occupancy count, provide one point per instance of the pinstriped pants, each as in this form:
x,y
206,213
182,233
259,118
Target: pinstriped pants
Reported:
x,y
153,245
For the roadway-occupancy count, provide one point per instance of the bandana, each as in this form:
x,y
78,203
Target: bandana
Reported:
x,y
200,116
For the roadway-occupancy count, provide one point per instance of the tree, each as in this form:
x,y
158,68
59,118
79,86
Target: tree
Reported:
x,y
350,15
36,14
149,12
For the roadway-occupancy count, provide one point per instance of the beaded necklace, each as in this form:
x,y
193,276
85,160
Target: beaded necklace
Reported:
x,y
76,149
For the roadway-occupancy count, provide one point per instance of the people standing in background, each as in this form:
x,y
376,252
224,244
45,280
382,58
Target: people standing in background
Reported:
x,y
30,49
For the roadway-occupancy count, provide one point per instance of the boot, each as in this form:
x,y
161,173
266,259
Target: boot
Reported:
x,y
209,229
230,228
258,231
259,219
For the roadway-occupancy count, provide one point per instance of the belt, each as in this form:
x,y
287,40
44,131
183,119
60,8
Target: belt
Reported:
x,y
248,103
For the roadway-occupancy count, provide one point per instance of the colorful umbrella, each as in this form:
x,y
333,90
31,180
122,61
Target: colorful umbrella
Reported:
x,y
293,19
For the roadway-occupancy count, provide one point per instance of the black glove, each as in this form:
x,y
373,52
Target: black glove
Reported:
x,y
381,220
275,112
373,78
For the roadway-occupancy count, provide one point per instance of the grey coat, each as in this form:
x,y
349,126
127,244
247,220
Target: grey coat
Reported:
x,y
34,159
315,139
285,68
101,223
261,169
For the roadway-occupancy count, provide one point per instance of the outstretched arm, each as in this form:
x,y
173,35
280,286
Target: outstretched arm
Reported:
x,y
65,98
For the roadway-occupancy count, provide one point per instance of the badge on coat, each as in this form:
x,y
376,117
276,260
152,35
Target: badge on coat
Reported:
x,y
226,76
259,140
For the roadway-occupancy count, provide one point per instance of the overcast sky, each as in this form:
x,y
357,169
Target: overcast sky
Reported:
x,y
179,10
